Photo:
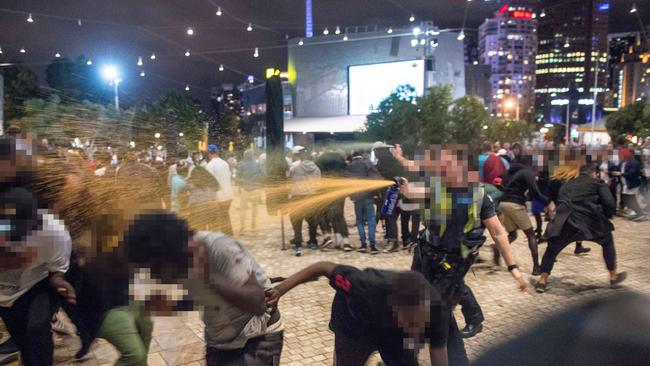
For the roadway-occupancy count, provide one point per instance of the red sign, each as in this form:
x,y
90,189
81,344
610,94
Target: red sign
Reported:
x,y
504,9
521,14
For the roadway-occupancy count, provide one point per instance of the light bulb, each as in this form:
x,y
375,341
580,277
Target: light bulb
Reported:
x,y
89,62
542,14
142,74
79,22
326,31
414,43
57,55
153,56
139,61
338,30
412,18
219,11
345,37
0,50
633,10
250,27
434,43
187,88
220,67
187,53
390,30
256,53
300,43
30,19
566,43
423,42
190,31
461,35
416,31
22,50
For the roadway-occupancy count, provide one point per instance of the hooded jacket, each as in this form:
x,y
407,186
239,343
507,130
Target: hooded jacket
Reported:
x,y
305,177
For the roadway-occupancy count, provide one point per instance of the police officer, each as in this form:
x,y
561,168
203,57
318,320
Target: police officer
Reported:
x,y
455,212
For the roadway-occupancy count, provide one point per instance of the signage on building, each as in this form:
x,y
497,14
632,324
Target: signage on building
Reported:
x,y
516,12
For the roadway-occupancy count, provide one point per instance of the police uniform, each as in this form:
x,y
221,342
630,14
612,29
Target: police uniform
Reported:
x,y
448,247
363,321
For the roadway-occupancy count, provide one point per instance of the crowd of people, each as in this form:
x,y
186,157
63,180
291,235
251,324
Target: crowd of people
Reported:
x,y
111,242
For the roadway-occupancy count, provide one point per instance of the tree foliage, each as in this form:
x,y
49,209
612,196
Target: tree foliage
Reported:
x,y
76,81
171,115
436,118
20,84
633,119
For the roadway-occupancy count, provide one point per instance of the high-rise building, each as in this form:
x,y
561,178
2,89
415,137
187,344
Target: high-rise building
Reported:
x,y
629,68
572,50
508,44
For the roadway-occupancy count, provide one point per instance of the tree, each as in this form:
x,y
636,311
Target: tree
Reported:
x,y
467,114
76,81
171,115
633,119
509,131
434,118
20,84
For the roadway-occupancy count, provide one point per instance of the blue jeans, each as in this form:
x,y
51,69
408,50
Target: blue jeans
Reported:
x,y
364,211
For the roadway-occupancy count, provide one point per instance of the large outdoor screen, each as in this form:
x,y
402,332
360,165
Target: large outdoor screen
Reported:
x,y
370,84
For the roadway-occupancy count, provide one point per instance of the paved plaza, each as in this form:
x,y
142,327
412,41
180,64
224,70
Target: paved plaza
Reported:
x,y
305,311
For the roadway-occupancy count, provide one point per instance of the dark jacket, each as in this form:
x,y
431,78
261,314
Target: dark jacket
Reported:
x,y
362,168
521,180
632,173
586,204
332,164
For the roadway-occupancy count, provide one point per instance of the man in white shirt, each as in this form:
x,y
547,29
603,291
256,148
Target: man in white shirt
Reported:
x,y
220,170
34,256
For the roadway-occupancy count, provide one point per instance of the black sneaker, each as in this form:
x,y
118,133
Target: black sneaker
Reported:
x,y
363,248
347,248
581,250
540,288
8,347
471,330
373,250
326,242
619,278
298,251
536,271
312,245
393,247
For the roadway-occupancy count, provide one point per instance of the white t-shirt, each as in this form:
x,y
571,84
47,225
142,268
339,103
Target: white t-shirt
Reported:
x,y
220,170
227,326
53,246
646,162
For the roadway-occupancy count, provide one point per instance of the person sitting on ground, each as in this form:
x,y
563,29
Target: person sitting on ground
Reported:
x,y
376,310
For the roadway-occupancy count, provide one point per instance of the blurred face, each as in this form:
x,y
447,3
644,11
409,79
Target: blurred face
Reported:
x,y
454,172
413,320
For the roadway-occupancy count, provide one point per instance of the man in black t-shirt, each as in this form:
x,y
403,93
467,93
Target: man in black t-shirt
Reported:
x,y
375,310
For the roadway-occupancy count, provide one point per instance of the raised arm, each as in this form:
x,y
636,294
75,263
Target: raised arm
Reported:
x,y
308,274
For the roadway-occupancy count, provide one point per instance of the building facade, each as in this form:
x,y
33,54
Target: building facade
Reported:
x,y
573,49
630,68
323,69
508,44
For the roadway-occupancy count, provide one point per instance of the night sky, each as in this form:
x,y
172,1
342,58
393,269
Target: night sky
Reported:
x,y
119,31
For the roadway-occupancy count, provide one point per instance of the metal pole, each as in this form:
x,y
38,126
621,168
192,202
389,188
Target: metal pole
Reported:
x,y
517,110
593,106
568,121
117,96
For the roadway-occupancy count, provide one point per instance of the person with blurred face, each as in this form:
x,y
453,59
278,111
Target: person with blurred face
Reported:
x,y
455,215
34,256
376,310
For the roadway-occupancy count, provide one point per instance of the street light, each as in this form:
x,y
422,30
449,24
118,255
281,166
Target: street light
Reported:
x,y
510,104
112,74
157,135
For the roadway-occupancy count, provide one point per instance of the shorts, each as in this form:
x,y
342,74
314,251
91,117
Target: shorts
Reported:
x,y
514,216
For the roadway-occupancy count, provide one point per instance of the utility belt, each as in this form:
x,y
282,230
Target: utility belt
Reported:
x,y
445,267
